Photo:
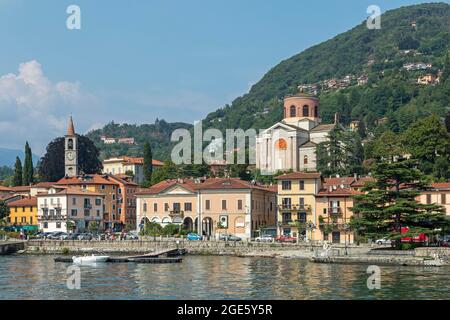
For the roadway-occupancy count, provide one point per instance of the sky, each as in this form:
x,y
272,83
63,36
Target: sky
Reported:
x,y
135,61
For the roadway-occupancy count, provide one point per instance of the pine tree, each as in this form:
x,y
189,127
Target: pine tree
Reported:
x,y
28,166
17,180
148,165
389,205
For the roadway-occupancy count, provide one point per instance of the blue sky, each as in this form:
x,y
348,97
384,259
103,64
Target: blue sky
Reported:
x,y
137,60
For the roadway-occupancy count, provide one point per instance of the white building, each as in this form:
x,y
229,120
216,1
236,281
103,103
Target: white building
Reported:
x,y
291,144
60,205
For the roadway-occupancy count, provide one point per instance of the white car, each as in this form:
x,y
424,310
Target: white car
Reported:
x,y
383,242
265,238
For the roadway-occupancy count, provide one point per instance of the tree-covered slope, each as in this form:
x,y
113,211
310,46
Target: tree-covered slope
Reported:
x,y
157,134
391,91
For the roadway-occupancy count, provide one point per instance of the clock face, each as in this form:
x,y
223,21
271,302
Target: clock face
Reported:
x,y
70,155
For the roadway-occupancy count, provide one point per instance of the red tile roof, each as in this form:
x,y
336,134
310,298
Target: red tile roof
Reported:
x,y
20,189
338,192
442,185
299,175
86,179
132,160
43,185
209,184
26,202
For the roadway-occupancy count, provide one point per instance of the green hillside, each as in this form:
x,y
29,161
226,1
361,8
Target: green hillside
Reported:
x,y
158,134
391,91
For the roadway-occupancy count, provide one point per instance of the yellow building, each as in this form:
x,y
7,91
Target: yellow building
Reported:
x,y
296,200
23,212
316,209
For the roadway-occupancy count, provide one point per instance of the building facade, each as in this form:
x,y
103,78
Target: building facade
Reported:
x,y
291,144
126,201
69,209
209,206
23,212
123,166
104,185
316,209
439,193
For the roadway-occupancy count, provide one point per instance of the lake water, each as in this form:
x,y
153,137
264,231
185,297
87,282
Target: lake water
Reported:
x,y
217,278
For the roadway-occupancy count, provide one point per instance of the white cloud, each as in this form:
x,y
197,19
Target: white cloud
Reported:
x,y
34,108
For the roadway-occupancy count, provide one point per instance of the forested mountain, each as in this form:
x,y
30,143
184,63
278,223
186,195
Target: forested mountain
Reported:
x,y
365,75
417,34
157,134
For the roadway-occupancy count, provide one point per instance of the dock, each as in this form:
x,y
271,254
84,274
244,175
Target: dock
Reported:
x,y
171,256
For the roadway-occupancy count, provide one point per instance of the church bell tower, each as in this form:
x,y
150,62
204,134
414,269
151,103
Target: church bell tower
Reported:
x,y
71,151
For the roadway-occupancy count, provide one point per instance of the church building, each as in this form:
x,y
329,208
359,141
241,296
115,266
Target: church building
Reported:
x,y
291,144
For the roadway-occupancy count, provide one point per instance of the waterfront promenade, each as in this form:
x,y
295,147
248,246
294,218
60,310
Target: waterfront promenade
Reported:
x,y
338,253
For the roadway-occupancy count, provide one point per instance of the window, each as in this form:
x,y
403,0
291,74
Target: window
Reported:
x,y
208,205
119,190
316,112
98,202
224,204
98,213
73,212
58,225
292,112
15,220
103,187
306,111
305,160
24,219
166,207
286,185
155,207
188,207
87,212
114,197
31,220
286,203
302,202
177,207
239,204
74,201
302,185
428,198
443,198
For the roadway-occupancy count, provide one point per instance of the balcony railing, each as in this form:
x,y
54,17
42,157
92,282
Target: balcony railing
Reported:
x,y
335,211
88,206
51,218
176,213
294,207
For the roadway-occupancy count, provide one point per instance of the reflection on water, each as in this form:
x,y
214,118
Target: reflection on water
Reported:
x,y
38,277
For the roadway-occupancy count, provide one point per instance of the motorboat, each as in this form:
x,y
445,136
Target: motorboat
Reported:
x,y
90,259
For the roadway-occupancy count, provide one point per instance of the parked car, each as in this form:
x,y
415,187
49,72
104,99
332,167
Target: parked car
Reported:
x,y
286,239
85,236
194,237
131,236
384,242
73,236
264,238
229,237
55,235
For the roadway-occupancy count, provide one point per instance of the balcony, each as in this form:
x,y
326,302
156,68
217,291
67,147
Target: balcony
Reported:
x,y
51,218
176,213
88,206
335,212
294,207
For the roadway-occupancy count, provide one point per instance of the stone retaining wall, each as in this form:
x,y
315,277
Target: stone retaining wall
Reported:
x,y
193,247
10,247
430,252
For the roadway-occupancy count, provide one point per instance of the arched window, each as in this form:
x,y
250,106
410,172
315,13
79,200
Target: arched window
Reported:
x,y
306,111
305,160
144,207
316,111
293,112
70,144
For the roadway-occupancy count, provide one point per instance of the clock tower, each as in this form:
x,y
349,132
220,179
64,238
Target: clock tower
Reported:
x,y
71,151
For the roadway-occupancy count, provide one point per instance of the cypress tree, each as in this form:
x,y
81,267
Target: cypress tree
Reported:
x,y
148,165
17,180
28,166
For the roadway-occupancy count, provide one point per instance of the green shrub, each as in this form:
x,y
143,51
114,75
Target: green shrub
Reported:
x,y
65,251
